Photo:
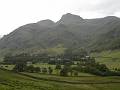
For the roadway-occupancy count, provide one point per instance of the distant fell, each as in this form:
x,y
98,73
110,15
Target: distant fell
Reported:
x,y
70,31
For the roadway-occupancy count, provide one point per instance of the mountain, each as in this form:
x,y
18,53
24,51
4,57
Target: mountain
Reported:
x,y
46,23
69,18
70,31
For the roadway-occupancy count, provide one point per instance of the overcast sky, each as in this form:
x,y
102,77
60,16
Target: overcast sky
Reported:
x,y
15,13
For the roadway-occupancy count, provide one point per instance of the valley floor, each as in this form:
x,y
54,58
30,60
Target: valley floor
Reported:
x,y
35,81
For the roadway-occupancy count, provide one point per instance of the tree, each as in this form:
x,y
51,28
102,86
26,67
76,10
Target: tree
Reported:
x,y
30,68
44,70
58,67
37,69
100,67
20,67
71,71
76,73
64,71
50,70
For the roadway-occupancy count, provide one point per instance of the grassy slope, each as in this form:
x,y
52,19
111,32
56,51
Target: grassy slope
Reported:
x,y
110,58
13,81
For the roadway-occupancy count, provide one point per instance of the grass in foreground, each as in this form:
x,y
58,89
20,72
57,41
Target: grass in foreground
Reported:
x,y
14,81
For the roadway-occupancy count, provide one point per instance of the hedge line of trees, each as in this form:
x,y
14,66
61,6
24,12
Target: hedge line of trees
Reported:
x,y
62,71
21,67
84,64
68,70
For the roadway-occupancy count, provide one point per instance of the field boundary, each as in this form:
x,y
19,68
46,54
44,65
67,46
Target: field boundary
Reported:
x,y
70,82
61,81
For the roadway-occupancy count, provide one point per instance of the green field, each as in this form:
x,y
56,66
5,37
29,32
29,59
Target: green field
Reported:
x,y
15,81
37,81
44,65
8,67
110,58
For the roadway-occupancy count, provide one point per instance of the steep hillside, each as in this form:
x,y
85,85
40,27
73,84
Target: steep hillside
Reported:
x,y
70,31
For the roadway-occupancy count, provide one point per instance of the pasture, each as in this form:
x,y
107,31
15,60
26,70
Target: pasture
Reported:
x,y
14,81
110,58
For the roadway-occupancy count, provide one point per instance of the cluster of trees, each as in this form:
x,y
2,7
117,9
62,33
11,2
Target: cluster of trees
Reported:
x,y
87,65
62,71
84,63
25,57
66,70
21,67
116,69
93,68
68,56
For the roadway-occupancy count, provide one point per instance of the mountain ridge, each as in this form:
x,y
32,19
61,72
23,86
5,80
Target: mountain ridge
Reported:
x,y
70,31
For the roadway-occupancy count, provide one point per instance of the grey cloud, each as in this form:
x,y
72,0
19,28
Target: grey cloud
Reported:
x,y
108,7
